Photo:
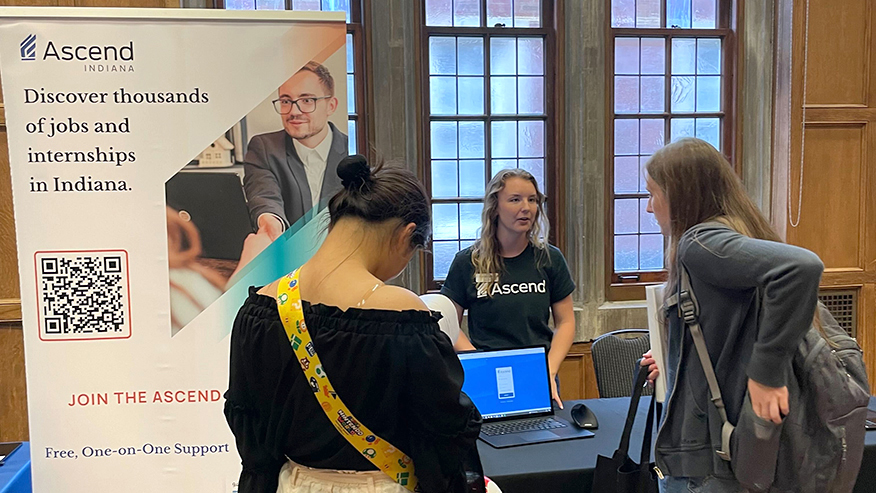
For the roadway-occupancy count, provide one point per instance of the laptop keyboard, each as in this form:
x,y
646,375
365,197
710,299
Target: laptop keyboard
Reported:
x,y
534,424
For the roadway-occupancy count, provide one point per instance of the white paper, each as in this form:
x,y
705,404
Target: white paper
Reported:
x,y
657,332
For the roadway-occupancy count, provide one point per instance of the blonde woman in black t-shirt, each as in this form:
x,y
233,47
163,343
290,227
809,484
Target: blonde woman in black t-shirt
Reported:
x,y
511,280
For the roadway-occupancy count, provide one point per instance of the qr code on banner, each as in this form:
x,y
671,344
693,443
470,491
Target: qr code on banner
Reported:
x,y
83,295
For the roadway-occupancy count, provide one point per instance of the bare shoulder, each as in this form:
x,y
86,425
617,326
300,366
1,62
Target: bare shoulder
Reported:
x,y
389,297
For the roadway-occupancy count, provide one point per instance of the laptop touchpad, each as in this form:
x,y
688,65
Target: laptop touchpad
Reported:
x,y
534,436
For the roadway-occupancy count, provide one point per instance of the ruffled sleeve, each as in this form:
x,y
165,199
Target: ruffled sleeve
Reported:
x,y
445,423
246,407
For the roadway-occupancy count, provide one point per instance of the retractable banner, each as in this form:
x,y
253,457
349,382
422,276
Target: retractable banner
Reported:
x,y
146,148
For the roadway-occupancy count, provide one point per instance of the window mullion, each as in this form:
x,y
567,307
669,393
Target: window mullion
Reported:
x,y
488,108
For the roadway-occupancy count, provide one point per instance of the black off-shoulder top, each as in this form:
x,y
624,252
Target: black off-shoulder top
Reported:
x,y
396,372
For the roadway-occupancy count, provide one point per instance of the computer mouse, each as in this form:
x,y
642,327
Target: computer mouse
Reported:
x,y
584,417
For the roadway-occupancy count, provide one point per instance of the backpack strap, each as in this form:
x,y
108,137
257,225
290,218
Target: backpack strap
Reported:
x,y
688,309
378,451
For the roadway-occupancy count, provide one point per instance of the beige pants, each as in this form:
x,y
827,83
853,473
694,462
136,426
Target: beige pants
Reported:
x,y
295,478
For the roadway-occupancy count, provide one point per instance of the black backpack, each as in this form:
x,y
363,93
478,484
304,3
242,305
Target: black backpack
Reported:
x,y
819,446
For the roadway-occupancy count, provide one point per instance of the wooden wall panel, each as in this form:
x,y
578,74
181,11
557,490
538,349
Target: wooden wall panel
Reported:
x,y
91,3
8,257
10,304
577,377
832,194
13,391
127,3
838,64
36,3
838,218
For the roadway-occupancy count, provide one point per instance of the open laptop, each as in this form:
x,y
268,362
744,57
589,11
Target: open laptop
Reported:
x,y
214,202
511,389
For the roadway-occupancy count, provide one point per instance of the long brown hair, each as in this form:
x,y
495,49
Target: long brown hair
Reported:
x,y
700,185
485,255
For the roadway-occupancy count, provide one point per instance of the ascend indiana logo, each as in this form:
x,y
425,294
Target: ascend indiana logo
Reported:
x,y
28,48
110,58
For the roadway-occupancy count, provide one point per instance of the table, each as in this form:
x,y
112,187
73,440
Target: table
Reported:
x,y
567,466
550,467
15,472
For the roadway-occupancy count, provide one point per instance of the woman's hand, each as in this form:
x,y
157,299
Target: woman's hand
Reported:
x,y
653,371
253,245
769,403
554,394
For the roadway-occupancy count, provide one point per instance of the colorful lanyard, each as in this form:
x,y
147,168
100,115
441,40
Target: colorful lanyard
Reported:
x,y
379,452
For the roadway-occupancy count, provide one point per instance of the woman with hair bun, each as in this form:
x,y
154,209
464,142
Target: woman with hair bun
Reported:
x,y
388,362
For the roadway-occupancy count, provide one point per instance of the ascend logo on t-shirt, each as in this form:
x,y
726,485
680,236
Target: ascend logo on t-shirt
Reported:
x,y
518,288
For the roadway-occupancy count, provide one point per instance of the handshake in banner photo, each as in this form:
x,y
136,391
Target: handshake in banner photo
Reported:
x,y
254,183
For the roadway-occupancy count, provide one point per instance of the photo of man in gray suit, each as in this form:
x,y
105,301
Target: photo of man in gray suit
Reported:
x,y
288,172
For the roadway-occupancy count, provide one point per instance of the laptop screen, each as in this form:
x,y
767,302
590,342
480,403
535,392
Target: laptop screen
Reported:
x,y
507,383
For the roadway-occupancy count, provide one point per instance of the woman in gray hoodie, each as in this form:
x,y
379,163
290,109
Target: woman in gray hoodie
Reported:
x,y
757,298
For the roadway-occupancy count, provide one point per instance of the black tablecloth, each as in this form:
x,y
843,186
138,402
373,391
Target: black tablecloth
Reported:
x,y
567,466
